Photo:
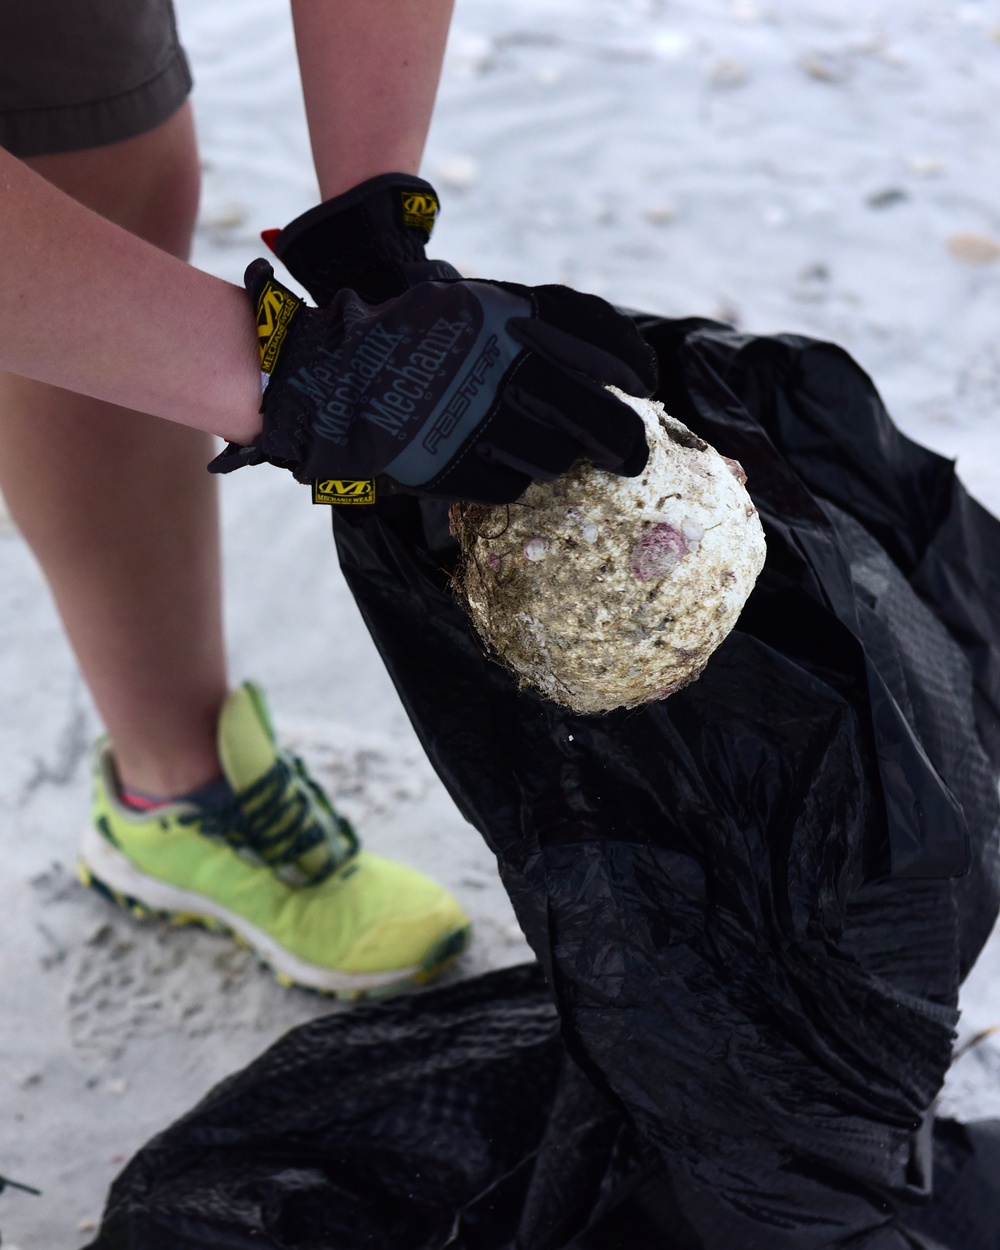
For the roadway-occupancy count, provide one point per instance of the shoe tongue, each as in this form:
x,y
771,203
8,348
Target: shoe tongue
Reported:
x,y
246,752
246,738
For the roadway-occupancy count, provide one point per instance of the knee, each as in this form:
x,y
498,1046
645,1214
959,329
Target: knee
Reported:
x,y
148,184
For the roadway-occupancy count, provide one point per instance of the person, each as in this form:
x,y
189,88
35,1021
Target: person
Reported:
x,y
122,361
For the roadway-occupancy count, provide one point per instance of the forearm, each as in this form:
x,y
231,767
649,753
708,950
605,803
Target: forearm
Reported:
x,y
370,71
90,307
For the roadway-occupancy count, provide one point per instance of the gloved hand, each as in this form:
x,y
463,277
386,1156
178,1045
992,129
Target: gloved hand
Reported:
x,y
371,239
462,389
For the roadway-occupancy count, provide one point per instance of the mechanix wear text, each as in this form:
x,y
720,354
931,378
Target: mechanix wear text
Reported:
x,y
344,491
464,389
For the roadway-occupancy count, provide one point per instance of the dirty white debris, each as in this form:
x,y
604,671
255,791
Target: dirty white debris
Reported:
x,y
459,173
602,591
924,165
660,214
830,67
727,72
974,249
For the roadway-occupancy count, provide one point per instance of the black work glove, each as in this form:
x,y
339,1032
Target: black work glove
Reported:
x,y
371,239
462,389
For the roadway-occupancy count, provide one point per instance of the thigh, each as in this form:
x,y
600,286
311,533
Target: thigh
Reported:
x,y
78,74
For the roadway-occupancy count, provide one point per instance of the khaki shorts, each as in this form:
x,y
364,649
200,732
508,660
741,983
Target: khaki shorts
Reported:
x,y
81,73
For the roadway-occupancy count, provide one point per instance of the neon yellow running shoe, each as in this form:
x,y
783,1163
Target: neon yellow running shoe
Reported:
x,y
275,866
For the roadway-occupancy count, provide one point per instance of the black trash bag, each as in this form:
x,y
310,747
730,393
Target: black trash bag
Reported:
x,y
451,1119
753,902
966,1206
368,1129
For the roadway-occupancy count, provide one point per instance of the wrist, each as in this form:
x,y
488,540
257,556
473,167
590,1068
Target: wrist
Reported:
x,y
239,398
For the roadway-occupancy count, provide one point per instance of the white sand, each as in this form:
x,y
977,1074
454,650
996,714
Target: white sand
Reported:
x,y
789,165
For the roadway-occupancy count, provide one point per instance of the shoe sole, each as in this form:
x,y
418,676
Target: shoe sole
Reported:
x,y
105,869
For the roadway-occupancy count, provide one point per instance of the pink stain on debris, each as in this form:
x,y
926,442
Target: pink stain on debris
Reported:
x,y
658,552
736,469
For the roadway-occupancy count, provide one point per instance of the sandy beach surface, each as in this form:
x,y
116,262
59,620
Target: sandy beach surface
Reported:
x,y
827,169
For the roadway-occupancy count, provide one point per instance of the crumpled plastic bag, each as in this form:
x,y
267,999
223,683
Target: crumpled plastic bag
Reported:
x,y
753,902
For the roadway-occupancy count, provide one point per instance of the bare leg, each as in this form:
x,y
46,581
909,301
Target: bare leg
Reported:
x,y
118,508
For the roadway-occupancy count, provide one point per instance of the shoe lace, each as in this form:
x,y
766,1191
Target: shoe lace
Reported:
x,y
277,821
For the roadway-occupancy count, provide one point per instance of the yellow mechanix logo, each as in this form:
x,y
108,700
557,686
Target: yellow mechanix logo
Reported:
x,y
420,209
275,309
344,490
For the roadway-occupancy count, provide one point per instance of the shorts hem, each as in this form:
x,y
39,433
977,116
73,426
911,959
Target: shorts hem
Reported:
x,y
75,127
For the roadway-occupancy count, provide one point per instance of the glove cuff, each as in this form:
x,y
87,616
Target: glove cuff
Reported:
x,y
369,239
